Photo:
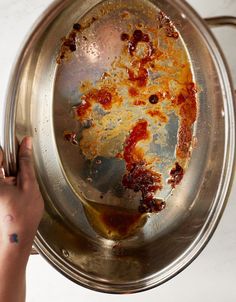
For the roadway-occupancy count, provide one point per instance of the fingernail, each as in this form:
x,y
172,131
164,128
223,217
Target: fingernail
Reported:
x,y
28,143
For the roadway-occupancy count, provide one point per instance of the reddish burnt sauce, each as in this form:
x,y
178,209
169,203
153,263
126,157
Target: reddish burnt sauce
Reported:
x,y
124,37
179,100
157,113
149,57
104,98
138,176
192,89
68,45
172,33
188,110
71,137
138,36
77,26
176,175
186,101
184,140
138,133
139,103
119,155
167,24
101,96
153,99
133,92
141,179
120,222
141,78
149,204
83,109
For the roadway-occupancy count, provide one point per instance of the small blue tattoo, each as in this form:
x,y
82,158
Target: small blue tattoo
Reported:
x,y
14,238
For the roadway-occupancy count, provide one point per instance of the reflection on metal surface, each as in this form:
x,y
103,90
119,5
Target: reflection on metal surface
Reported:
x,y
34,251
93,52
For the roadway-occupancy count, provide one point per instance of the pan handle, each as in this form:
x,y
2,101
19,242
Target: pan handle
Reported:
x,y
221,21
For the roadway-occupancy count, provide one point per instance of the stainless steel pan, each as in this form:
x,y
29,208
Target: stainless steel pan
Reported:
x,y
168,242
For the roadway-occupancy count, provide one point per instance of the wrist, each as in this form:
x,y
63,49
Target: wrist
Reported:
x,y
12,274
14,254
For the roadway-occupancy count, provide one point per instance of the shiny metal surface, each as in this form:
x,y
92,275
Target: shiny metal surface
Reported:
x,y
221,21
169,241
102,133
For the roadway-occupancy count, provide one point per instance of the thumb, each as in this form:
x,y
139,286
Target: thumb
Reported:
x,y
1,157
26,173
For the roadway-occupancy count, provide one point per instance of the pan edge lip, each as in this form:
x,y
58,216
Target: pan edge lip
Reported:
x,y
9,136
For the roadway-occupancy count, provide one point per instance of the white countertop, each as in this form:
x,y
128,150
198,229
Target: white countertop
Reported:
x,y
212,276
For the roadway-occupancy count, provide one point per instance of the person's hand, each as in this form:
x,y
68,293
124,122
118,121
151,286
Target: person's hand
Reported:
x,y
21,209
21,205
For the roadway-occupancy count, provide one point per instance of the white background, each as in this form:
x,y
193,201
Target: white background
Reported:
x,y
212,276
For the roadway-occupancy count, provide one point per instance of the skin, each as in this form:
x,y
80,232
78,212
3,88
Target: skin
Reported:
x,y
21,209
